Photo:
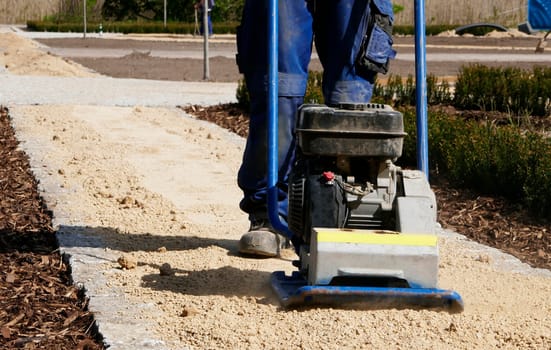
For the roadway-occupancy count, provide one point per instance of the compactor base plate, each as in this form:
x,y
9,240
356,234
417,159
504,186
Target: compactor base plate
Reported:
x,y
293,292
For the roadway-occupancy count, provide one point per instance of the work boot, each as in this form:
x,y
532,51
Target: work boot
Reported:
x,y
261,240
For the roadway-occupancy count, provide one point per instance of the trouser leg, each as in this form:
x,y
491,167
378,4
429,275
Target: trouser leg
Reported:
x,y
340,28
295,43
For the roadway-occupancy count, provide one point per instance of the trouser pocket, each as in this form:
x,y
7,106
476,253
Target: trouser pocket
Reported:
x,y
376,48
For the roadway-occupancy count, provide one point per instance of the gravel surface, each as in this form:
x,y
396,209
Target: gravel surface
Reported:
x,y
156,186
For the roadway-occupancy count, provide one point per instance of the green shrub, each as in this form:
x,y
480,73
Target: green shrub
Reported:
x,y
498,160
185,26
510,90
409,150
438,92
139,27
314,93
242,95
537,185
492,159
540,91
396,92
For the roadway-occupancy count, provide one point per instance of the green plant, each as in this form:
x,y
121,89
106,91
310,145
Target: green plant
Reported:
x,y
314,92
537,186
181,11
397,8
509,89
242,95
397,92
438,92
490,158
128,27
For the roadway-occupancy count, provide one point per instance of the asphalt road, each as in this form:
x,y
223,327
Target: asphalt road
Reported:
x,y
444,54
182,46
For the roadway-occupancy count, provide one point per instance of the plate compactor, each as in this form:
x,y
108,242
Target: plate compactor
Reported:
x,y
367,226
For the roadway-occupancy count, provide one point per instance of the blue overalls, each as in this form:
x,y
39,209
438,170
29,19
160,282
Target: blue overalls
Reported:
x,y
209,20
353,42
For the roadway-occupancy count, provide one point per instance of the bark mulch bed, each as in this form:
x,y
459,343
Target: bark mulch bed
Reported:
x,y
493,221
39,306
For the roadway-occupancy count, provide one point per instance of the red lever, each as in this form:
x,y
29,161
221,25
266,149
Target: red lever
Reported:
x,y
328,176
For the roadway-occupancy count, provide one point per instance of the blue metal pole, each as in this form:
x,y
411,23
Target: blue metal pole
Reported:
x,y
421,88
273,113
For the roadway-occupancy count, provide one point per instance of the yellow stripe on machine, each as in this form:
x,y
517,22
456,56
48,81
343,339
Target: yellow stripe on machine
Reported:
x,y
325,235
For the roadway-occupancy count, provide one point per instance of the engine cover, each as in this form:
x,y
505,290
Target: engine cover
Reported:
x,y
354,130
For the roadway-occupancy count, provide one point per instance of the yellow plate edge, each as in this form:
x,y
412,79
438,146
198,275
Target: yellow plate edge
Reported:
x,y
375,237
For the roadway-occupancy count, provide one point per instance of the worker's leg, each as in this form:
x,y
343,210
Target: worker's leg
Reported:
x,y
295,42
354,43
210,25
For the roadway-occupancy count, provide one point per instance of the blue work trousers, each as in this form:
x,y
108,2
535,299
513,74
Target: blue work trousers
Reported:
x,y
340,29
202,25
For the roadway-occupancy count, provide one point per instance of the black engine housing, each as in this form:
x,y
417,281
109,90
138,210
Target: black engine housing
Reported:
x,y
335,145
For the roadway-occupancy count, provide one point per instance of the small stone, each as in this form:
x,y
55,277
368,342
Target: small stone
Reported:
x,y
484,258
452,327
126,200
127,262
189,311
161,249
166,270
